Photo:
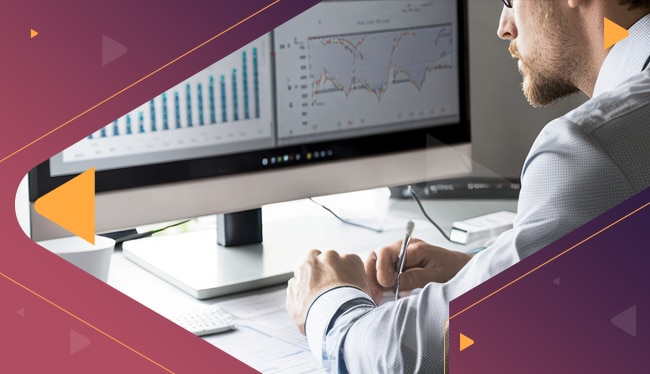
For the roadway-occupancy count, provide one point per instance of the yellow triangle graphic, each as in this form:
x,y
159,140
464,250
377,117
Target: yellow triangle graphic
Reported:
x,y
72,205
465,342
32,33
613,33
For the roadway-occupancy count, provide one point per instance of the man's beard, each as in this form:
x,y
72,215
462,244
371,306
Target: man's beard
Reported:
x,y
542,88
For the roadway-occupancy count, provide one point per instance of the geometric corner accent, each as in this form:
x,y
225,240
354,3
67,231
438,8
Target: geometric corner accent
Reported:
x,y
465,342
72,205
111,50
626,321
556,281
613,33
21,312
77,342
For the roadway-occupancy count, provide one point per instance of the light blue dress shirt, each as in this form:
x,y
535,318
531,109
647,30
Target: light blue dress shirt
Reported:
x,y
580,165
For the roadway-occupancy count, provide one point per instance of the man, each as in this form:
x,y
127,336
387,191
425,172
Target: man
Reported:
x,y
580,165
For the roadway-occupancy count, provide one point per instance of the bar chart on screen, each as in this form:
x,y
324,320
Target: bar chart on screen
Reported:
x,y
226,104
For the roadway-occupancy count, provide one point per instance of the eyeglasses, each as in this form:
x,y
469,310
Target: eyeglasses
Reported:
x,y
507,3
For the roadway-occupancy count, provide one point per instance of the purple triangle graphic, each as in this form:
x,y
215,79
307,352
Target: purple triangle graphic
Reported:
x,y
557,281
111,50
21,312
626,321
77,342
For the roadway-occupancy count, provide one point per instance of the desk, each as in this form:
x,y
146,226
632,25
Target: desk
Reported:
x,y
262,319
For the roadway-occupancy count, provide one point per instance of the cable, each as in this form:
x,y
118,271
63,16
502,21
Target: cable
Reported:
x,y
139,235
378,230
344,220
424,212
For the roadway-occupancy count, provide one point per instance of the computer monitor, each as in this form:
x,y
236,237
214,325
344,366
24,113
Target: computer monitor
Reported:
x,y
348,95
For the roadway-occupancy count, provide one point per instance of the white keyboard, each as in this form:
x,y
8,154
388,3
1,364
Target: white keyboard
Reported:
x,y
205,321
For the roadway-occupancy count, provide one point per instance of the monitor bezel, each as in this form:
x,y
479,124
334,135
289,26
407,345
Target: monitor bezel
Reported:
x,y
249,163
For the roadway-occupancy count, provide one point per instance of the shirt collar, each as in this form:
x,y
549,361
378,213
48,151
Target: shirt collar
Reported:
x,y
626,58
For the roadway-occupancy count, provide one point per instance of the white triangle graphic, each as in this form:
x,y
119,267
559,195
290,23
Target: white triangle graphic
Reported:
x,y
111,50
77,342
626,321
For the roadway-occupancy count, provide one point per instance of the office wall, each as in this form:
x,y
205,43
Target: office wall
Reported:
x,y
503,124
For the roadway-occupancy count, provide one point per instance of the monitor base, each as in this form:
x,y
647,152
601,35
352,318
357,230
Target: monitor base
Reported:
x,y
196,264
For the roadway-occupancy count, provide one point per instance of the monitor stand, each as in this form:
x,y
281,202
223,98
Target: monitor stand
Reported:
x,y
239,228
196,264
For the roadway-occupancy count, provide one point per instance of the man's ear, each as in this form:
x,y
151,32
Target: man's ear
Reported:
x,y
574,3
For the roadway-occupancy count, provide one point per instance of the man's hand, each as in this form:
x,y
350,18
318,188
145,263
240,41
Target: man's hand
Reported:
x,y
319,273
424,263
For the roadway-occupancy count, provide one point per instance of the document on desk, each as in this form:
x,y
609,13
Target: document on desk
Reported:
x,y
265,337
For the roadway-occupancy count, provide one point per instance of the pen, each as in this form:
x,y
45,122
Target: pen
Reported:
x,y
402,255
476,250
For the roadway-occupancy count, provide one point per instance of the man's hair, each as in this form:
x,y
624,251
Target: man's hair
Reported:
x,y
635,3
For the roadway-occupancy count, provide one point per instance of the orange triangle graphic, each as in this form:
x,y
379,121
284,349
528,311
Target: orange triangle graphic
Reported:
x,y
465,342
613,33
72,205
32,33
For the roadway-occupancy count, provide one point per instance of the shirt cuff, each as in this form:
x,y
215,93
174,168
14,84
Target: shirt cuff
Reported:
x,y
321,311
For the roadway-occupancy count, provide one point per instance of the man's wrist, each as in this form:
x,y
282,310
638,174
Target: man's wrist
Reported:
x,y
323,308
457,261
330,289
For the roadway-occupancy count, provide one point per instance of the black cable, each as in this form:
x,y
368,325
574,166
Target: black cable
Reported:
x,y
424,212
139,235
344,220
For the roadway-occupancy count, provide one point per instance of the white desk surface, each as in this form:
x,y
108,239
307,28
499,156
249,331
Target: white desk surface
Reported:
x,y
261,315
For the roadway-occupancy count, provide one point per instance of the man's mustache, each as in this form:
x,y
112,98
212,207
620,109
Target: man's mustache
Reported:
x,y
514,51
